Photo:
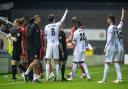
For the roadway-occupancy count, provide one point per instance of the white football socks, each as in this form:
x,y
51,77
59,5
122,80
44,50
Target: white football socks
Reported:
x,y
57,71
86,69
27,71
106,67
118,71
34,77
74,68
47,71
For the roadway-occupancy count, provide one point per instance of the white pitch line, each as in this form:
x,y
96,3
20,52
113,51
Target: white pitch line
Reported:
x,y
109,71
103,71
11,83
76,74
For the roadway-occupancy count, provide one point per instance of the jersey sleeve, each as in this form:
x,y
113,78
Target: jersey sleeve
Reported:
x,y
45,31
62,19
74,38
59,24
120,26
109,37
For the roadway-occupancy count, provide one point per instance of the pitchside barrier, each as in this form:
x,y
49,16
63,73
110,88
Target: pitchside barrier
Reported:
x,y
126,59
5,66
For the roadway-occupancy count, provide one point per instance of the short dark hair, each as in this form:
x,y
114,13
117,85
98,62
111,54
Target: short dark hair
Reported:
x,y
112,18
51,17
31,20
79,23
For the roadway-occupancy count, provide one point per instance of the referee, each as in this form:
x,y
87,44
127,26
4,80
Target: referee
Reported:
x,y
63,52
33,48
16,37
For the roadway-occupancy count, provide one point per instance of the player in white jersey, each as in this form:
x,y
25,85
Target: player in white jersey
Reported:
x,y
119,38
111,50
80,43
52,41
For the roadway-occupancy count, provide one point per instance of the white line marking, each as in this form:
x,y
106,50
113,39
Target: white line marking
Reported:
x,y
76,74
103,71
11,83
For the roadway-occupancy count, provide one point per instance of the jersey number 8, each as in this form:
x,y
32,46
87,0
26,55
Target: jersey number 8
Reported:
x,y
52,31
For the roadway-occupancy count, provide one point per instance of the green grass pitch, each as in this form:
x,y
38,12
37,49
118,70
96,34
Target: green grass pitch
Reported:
x,y
77,83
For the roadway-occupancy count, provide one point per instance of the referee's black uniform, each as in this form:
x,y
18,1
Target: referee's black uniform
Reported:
x,y
17,49
63,55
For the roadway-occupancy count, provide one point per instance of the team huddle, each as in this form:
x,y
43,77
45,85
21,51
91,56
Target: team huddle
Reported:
x,y
32,45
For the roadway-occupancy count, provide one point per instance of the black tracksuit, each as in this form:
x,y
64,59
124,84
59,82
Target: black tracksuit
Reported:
x,y
33,41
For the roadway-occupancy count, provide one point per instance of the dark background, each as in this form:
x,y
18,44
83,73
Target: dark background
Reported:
x,y
65,0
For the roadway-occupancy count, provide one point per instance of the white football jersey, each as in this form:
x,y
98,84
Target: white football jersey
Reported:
x,y
111,37
51,33
79,39
119,40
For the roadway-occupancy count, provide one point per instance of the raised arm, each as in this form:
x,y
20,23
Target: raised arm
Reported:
x,y
64,16
120,26
122,15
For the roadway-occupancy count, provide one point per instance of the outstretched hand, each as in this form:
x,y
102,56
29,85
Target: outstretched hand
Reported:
x,y
66,10
123,12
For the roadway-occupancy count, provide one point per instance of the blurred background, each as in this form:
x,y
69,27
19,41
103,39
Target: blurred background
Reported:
x,y
92,13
